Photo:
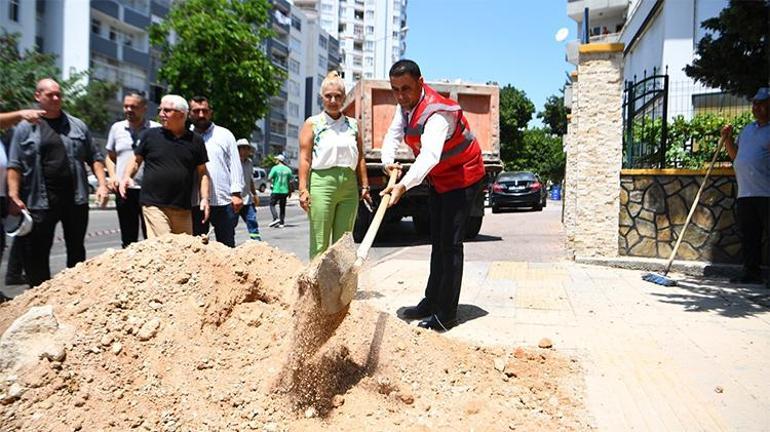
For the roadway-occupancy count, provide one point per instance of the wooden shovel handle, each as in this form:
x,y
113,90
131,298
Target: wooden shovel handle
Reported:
x,y
366,243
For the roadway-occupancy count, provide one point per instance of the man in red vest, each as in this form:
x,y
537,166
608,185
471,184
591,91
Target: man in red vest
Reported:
x,y
446,151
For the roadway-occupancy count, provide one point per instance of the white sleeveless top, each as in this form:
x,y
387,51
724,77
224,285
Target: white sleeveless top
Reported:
x,y
334,142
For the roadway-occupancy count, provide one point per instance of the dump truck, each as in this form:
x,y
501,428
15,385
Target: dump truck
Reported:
x,y
371,102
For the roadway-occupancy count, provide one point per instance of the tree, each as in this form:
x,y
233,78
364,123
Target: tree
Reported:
x,y
22,70
515,112
554,114
541,153
216,53
734,55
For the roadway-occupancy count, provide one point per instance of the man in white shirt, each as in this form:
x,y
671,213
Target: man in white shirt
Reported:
x,y
225,170
446,151
121,142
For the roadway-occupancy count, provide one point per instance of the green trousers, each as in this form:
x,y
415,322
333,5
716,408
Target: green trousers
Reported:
x,y
333,206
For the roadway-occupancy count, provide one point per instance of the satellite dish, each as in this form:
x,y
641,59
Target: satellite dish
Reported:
x,y
562,34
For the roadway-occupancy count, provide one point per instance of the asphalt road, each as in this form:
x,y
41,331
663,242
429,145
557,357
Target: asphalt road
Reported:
x,y
520,235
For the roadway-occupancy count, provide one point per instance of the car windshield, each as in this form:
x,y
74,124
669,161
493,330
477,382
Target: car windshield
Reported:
x,y
516,177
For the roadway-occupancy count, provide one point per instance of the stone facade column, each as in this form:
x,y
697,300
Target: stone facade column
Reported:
x,y
568,196
596,153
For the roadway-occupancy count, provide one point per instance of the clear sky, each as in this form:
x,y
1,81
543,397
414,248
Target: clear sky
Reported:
x,y
508,41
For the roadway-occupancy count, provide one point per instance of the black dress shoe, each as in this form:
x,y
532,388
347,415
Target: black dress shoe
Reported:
x,y
747,278
422,310
439,325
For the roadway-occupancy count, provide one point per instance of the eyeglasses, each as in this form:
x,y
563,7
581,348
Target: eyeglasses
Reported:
x,y
167,110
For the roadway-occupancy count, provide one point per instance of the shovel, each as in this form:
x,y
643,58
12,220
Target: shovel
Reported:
x,y
335,272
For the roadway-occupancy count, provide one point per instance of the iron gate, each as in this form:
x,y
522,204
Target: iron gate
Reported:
x,y
645,128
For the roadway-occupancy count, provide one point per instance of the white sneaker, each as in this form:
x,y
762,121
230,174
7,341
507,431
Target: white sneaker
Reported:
x,y
274,223
280,225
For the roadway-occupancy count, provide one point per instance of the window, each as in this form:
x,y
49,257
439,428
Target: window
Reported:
x,y
40,7
358,30
356,76
322,62
113,34
359,15
326,7
277,127
293,66
357,61
96,26
128,40
343,10
369,45
322,41
293,131
370,30
357,46
293,109
369,15
368,75
293,88
369,61
13,10
396,21
39,43
326,24
296,22
295,44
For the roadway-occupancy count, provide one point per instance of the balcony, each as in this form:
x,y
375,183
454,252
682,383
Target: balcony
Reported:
x,y
279,47
277,116
280,63
104,46
136,57
277,139
596,8
282,5
136,19
280,27
108,7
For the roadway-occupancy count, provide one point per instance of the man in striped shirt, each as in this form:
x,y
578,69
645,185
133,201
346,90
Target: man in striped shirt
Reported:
x,y
224,167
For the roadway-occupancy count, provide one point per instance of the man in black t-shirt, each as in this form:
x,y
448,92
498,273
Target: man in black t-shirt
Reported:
x,y
171,155
47,176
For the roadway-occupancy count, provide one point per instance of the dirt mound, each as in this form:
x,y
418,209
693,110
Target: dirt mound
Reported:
x,y
174,334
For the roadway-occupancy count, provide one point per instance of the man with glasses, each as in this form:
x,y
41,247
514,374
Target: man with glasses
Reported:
x,y
47,176
121,142
225,171
172,156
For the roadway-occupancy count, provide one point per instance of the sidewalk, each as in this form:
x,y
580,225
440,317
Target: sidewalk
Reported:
x,y
692,357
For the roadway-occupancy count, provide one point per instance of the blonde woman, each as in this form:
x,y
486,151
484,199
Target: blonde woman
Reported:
x,y
332,171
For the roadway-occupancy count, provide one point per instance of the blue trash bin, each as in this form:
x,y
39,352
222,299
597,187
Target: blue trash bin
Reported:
x,y
555,193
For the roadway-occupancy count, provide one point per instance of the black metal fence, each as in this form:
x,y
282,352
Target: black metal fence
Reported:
x,y
645,128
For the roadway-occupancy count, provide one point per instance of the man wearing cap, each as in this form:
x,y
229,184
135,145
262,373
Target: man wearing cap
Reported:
x,y
751,159
225,171
121,142
279,177
249,193
47,176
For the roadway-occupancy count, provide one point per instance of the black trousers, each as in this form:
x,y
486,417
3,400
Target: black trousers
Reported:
x,y
15,260
449,214
753,222
37,244
130,217
280,199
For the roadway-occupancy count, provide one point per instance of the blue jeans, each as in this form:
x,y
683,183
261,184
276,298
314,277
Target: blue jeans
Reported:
x,y
224,220
249,215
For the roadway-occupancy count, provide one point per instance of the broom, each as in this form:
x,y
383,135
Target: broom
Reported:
x,y
663,279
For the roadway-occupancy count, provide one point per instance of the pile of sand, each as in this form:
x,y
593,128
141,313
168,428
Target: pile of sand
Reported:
x,y
175,334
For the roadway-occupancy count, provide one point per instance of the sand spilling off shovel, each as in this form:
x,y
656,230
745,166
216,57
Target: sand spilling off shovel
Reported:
x,y
175,335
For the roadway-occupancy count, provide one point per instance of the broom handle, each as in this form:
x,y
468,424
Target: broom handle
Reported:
x,y
366,243
692,208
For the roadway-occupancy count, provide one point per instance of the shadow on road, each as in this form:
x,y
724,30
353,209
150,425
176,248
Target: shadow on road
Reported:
x,y
720,296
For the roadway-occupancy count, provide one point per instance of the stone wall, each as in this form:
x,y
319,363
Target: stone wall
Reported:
x,y
653,208
594,155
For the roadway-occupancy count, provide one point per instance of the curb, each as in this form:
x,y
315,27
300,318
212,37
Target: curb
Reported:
x,y
690,268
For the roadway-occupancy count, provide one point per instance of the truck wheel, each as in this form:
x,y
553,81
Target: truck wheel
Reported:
x,y
363,220
473,226
421,224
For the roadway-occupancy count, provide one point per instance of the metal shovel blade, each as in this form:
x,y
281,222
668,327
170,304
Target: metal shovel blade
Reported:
x,y
334,273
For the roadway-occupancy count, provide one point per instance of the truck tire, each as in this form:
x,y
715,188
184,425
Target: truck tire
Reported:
x,y
363,220
473,226
421,224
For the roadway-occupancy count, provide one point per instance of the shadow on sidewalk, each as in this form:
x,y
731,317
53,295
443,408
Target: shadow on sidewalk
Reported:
x,y
720,296
465,313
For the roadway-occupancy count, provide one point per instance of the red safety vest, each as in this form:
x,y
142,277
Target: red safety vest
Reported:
x,y
461,164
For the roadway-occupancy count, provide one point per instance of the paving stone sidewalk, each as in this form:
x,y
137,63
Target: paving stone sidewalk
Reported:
x,y
691,357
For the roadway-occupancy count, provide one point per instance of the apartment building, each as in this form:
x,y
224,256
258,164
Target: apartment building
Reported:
x,y
107,36
305,52
372,33
659,36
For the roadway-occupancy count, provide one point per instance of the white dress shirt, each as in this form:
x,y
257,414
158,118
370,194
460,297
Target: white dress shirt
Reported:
x,y
224,166
438,129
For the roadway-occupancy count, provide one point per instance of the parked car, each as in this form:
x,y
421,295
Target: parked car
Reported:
x,y
517,189
260,179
